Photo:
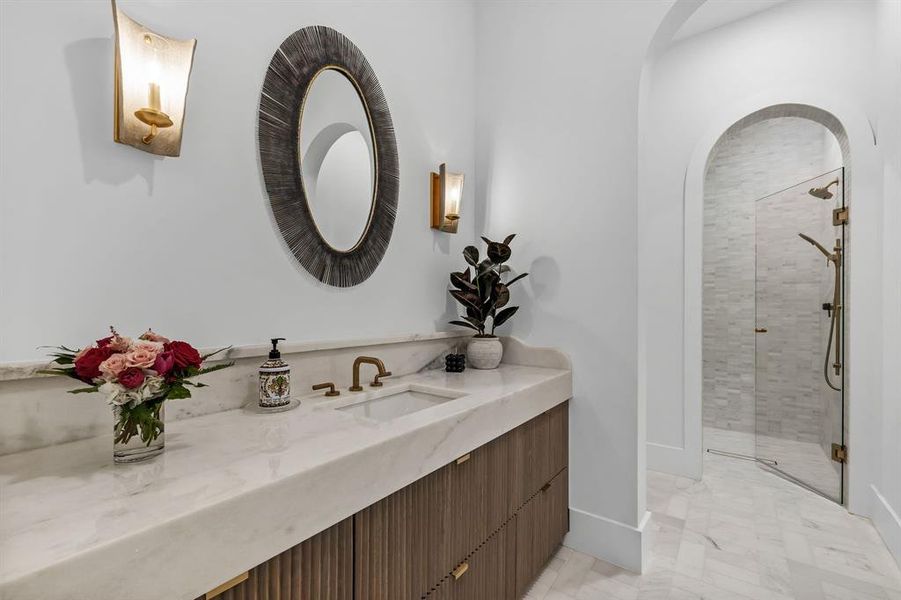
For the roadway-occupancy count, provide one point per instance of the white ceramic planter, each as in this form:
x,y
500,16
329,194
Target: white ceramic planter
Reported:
x,y
484,353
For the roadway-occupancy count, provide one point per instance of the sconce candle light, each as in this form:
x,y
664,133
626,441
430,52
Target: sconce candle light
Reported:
x,y
447,195
151,84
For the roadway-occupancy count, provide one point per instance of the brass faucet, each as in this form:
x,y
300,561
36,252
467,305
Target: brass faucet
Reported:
x,y
356,387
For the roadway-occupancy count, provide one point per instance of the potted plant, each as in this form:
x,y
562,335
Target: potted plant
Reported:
x,y
484,294
137,377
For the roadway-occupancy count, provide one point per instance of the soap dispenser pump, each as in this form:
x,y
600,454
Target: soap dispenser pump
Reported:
x,y
275,379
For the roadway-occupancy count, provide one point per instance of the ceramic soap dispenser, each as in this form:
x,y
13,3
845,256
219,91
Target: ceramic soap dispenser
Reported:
x,y
275,380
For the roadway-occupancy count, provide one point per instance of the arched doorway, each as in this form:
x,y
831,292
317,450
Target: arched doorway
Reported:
x,y
773,320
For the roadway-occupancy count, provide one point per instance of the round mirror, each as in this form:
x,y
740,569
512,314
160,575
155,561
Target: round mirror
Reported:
x,y
336,159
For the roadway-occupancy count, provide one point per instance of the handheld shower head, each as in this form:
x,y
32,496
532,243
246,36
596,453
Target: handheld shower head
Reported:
x,y
823,192
816,244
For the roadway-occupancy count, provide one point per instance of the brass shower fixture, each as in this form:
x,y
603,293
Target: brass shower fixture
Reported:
x,y
835,326
823,192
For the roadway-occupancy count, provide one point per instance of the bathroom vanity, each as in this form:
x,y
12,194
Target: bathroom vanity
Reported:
x,y
435,485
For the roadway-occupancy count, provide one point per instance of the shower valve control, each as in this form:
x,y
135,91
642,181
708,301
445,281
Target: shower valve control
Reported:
x,y
827,306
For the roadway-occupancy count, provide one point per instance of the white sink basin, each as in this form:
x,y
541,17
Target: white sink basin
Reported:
x,y
395,402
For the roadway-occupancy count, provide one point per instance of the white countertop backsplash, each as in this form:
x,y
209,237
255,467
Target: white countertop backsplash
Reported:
x,y
235,487
38,412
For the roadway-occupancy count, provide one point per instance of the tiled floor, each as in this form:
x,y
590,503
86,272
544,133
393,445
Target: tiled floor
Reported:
x,y
806,461
739,533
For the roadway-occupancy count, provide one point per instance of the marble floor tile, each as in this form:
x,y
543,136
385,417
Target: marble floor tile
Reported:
x,y
742,533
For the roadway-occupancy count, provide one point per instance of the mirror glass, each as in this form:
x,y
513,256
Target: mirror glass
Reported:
x,y
337,159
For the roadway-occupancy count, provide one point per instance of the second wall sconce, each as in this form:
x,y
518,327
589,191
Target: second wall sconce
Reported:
x,y
151,85
447,195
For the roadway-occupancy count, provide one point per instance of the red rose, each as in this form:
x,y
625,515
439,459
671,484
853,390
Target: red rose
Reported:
x,y
185,354
131,377
104,342
87,366
164,362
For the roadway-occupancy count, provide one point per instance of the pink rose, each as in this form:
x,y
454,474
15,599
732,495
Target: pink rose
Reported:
x,y
131,377
113,365
152,347
141,358
164,363
152,336
119,343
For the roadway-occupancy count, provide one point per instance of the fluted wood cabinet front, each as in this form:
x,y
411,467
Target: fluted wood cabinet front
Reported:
x,y
320,568
402,543
479,528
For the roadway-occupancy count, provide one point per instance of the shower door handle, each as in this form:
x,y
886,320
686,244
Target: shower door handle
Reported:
x,y
760,330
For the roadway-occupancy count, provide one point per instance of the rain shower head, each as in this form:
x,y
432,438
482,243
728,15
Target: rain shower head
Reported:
x,y
823,192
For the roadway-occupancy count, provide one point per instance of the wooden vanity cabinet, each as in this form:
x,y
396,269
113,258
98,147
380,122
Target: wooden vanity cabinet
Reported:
x,y
320,568
479,528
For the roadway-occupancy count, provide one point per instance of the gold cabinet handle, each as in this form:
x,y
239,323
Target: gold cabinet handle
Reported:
x,y
760,330
464,458
545,487
458,572
227,585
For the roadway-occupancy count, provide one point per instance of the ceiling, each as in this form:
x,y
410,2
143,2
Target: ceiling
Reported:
x,y
714,13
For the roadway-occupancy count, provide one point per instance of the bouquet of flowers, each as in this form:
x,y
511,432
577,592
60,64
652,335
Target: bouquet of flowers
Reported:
x,y
136,376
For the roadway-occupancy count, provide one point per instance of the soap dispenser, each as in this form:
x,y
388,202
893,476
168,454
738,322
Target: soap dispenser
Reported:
x,y
275,379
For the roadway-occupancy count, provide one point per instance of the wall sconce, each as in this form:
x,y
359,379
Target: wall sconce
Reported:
x,y
447,194
151,84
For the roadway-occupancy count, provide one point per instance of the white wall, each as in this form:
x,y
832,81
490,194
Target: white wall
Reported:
x,y
888,131
695,90
94,233
557,122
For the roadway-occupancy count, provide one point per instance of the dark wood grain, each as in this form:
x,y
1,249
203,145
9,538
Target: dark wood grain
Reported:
x,y
540,526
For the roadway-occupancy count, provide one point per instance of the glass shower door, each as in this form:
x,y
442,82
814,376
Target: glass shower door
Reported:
x,y
799,402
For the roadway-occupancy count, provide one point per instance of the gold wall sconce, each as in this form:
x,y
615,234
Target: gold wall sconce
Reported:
x,y
447,195
151,85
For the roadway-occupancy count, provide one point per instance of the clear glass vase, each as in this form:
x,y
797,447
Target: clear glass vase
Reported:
x,y
136,449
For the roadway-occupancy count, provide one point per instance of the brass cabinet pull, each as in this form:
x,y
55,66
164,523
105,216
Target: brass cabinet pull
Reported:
x,y
458,572
760,330
464,458
546,487
227,585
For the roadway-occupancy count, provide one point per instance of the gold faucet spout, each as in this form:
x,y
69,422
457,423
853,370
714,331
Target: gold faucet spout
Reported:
x,y
369,360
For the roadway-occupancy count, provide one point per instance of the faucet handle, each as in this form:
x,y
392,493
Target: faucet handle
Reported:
x,y
376,382
331,388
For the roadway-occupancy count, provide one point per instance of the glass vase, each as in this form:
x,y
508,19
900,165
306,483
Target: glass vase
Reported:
x,y
136,449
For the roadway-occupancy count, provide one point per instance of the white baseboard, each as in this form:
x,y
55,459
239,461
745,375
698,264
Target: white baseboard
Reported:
x,y
887,523
608,540
684,462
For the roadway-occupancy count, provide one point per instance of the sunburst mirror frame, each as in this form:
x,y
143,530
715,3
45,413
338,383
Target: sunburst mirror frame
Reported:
x,y
294,66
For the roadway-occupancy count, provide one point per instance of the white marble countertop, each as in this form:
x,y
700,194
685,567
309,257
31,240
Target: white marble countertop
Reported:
x,y
233,488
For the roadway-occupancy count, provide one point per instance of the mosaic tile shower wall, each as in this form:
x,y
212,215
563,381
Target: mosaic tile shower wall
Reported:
x,y
745,166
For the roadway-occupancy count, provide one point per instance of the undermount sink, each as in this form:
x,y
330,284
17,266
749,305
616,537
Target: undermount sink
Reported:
x,y
396,402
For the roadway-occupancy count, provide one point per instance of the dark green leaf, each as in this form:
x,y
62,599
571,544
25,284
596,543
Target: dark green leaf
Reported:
x,y
498,252
509,239
461,281
466,298
204,371
501,295
463,324
214,353
503,316
178,392
471,254
517,278
85,390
